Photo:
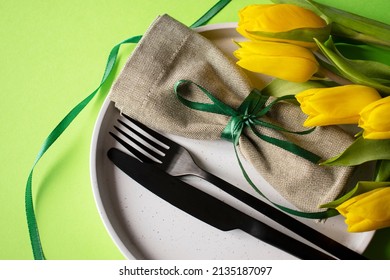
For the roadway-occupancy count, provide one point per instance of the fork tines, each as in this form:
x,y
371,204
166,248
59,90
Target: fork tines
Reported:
x,y
146,144
149,131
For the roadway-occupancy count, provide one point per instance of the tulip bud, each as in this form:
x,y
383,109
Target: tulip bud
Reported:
x,y
284,61
367,211
335,105
375,119
282,23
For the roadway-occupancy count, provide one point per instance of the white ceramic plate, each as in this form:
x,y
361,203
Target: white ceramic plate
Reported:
x,y
144,226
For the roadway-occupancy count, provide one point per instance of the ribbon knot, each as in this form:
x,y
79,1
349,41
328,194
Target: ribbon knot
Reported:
x,y
249,114
246,118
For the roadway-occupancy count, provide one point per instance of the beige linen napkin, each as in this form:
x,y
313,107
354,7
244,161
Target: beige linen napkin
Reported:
x,y
170,51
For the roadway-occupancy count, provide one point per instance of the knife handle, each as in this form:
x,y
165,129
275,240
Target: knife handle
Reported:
x,y
333,247
282,241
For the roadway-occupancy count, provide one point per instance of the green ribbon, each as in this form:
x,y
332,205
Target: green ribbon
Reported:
x,y
249,114
68,119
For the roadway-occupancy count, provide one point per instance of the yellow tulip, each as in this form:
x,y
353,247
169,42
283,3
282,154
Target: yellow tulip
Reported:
x,y
284,61
260,22
335,105
375,119
368,211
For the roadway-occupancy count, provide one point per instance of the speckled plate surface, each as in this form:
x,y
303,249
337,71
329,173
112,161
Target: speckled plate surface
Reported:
x,y
143,226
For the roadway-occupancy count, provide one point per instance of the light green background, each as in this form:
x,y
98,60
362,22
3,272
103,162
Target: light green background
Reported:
x,y
52,55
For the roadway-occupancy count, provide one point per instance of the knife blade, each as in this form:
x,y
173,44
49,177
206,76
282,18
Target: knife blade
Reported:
x,y
208,208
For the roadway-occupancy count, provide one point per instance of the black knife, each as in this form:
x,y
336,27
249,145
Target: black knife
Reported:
x,y
208,208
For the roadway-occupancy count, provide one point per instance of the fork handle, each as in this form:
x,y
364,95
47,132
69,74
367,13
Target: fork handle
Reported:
x,y
310,234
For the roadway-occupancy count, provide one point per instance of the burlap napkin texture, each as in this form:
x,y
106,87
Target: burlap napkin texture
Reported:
x,y
169,51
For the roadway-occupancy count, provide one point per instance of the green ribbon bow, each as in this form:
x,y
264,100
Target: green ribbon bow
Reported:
x,y
249,114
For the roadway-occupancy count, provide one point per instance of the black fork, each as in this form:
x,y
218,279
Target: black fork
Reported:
x,y
177,161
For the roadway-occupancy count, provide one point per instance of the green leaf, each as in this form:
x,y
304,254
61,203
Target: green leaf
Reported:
x,y
383,171
299,34
369,27
328,71
278,87
361,187
348,70
375,70
361,151
363,51
342,31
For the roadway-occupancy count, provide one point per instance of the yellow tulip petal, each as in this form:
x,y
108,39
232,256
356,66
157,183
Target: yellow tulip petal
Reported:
x,y
287,68
278,18
376,135
284,17
374,119
275,49
285,61
336,105
275,18
368,211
